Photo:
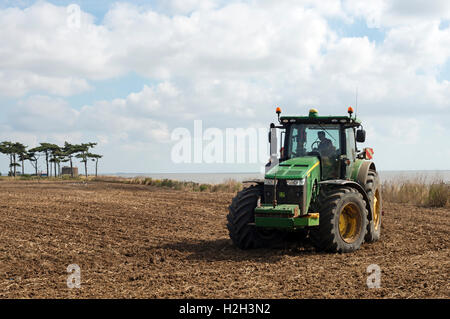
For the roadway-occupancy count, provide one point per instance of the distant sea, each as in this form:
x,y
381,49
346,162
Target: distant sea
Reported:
x,y
216,178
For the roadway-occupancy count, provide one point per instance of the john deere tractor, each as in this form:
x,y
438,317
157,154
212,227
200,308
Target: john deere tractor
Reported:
x,y
319,186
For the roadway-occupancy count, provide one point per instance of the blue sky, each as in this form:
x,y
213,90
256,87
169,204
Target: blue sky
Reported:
x,y
132,72
97,8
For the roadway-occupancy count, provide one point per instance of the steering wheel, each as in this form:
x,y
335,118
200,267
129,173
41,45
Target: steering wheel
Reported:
x,y
315,148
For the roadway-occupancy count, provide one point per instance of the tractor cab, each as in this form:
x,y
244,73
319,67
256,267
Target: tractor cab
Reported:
x,y
330,138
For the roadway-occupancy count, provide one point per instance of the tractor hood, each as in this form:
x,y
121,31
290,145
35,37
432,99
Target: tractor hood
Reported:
x,y
294,168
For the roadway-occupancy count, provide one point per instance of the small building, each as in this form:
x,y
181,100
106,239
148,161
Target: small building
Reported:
x,y
66,170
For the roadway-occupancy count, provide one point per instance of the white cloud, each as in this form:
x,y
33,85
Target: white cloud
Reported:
x,y
41,52
421,46
42,114
393,13
109,121
18,83
228,63
185,7
254,41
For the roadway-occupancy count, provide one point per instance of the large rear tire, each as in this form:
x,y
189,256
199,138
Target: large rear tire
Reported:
x,y
241,219
373,190
342,221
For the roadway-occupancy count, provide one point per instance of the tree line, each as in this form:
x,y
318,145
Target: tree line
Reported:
x,y
53,154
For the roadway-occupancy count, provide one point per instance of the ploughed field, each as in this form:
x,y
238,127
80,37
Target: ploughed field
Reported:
x,y
134,241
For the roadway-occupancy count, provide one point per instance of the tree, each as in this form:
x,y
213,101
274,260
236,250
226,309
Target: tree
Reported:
x,y
55,152
13,150
14,166
22,158
84,154
59,157
70,151
17,150
54,155
46,149
33,157
21,151
7,149
95,157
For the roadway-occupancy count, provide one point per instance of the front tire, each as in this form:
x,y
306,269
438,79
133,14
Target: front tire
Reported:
x,y
241,219
342,221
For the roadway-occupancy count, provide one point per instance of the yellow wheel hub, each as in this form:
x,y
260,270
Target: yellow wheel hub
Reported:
x,y
349,223
376,210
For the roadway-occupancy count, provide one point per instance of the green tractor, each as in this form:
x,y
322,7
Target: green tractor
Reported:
x,y
319,187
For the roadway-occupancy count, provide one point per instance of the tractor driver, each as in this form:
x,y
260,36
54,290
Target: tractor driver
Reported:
x,y
325,145
327,149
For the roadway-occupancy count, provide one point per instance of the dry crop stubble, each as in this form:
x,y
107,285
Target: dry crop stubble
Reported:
x,y
140,241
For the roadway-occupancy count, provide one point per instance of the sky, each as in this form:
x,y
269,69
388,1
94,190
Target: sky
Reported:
x,y
128,74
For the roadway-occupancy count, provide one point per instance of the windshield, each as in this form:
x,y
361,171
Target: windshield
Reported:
x,y
306,138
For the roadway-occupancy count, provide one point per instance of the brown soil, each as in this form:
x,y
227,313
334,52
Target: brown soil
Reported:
x,y
133,241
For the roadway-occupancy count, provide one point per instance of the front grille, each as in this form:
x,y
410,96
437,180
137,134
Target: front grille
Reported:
x,y
292,194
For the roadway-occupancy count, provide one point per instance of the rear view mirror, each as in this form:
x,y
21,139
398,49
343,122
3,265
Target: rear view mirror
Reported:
x,y
360,136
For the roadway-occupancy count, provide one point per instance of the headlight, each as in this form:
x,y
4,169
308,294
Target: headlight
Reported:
x,y
295,182
269,182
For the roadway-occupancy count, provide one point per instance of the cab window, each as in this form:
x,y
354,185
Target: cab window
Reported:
x,y
307,138
314,139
